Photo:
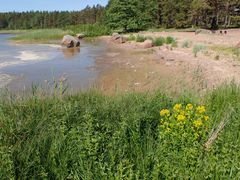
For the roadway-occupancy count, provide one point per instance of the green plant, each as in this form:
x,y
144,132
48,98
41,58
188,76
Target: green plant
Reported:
x,y
170,40
92,136
140,38
198,48
186,44
131,37
90,30
41,35
159,41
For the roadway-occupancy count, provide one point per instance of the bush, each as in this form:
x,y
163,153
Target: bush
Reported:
x,y
198,48
186,44
140,38
170,40
131,37
159,41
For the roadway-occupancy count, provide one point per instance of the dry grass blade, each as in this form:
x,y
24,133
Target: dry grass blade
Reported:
x,y
215,133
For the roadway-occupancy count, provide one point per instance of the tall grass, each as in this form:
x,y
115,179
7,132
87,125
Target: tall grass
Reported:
x,y
41,35
92,136
90,30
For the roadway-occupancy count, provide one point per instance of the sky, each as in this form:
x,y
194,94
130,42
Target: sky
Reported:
x,y
49,5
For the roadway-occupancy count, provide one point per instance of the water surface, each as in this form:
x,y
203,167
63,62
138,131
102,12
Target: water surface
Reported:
x,y
22,65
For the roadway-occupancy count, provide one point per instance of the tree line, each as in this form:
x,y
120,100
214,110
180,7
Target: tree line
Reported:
x,y
139,14
134,15
45,19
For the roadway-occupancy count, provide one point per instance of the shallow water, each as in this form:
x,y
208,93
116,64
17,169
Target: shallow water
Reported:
x,y
22,65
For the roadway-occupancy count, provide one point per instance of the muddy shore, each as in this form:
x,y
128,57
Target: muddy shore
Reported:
x,y
130,68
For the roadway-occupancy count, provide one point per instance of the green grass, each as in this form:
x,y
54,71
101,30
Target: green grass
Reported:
x,y
12,31
227,50
170,40
90,30
43,35
159,41
197,49
93,136
140,38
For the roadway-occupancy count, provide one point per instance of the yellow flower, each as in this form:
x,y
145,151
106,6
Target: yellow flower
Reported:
x,y
206,118
164,112
177,107
189,107
201,109
198,123
181,118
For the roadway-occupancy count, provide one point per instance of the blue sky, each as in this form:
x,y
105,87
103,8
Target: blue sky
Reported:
x,y
50,5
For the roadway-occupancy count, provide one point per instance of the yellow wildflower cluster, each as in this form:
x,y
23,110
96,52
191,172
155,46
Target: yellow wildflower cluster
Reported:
x,y
184,121
164,112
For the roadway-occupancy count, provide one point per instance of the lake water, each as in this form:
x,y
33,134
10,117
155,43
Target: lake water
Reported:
x,y
22,65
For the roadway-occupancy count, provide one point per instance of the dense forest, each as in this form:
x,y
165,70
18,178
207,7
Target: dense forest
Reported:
x,y
137,14
56,19
134,15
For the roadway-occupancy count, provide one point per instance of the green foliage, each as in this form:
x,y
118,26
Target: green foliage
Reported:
x,y
198,48
170,40
131,15
41,35
140,38
56,19
159,41
90,30
131,38
92,136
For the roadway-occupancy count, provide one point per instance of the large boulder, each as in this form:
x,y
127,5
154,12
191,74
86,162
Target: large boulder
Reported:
x,y
70,41
118,38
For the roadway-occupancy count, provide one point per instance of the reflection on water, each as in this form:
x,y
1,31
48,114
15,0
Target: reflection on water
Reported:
x,y
70,52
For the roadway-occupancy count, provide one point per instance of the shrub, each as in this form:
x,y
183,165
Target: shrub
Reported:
x,y
159,41
140,38
170,40
198,48
131,37
186,44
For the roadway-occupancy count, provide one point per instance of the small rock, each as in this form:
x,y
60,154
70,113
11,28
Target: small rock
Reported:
x,y
80,36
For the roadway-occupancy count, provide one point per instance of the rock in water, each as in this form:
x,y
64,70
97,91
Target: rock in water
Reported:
x,y
80,36
70,41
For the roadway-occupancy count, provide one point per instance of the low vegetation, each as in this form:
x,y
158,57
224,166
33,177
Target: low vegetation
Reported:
x,y
227,50
158,41
131,136
90,30
43,35
198,48
186,44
